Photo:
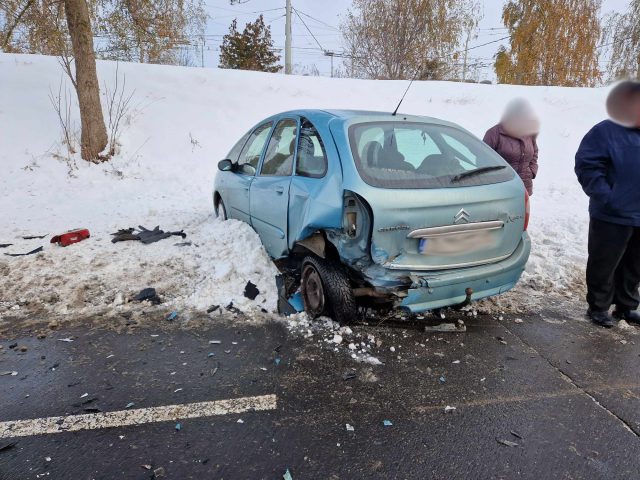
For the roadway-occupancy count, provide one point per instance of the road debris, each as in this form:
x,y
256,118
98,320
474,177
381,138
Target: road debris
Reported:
x,y
349,376
159,472
213,308
518,320
251,291
449,409
67,339
35,250
70,237
214,342
516,434
172,316
458,326
148,294
287,475
387,423
129,405
350,428
506,443
7,446
8,372
178,427
240,420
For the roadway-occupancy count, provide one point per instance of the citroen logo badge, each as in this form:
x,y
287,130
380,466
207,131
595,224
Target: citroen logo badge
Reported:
x,y
461,217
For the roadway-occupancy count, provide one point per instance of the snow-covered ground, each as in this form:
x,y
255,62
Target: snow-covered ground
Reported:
x,y
183,121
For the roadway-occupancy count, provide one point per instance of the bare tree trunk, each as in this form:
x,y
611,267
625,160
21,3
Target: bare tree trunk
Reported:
x,y
93,139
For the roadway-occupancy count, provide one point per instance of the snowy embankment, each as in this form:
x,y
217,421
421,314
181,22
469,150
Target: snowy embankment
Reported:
x,y
182,122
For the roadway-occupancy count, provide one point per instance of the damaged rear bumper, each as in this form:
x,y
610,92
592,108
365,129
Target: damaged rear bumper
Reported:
x,y
444,289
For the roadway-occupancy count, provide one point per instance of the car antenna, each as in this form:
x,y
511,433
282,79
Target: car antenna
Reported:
x,y
405,93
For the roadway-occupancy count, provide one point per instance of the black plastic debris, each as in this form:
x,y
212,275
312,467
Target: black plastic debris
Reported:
x,y
7,446
251,290
34,237
232,309
349,376
284,307
149,294
5,245
213,308
144,235
36,250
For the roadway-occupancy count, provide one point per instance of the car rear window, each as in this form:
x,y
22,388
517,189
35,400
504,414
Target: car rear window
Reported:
x,y
423,155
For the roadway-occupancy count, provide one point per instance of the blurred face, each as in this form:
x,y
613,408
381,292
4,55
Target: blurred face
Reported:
x,y
519,120
623,104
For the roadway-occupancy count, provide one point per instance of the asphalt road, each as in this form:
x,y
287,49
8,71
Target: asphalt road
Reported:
x,y
552,397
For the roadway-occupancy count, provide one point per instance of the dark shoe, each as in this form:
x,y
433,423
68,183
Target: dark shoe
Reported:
x,y
631,316
602,318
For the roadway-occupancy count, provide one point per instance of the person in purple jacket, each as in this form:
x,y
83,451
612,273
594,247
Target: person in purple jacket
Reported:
x,y
608,168
514,138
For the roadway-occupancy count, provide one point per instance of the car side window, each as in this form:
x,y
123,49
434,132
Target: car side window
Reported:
x,y
312,158
278,161
237,148
250,156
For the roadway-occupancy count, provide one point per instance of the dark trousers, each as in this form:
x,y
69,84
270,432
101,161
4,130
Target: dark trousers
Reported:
x,y
613,269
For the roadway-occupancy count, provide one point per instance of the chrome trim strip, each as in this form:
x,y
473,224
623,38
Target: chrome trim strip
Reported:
x,y
431,268
456,229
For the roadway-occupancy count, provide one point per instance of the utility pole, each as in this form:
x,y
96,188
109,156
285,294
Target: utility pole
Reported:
x,y
287,41
331,54
202,53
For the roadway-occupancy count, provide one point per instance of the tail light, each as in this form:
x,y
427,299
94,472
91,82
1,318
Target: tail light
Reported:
x,y
527,210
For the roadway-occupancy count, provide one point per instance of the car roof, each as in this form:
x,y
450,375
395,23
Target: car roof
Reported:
x,y
365,115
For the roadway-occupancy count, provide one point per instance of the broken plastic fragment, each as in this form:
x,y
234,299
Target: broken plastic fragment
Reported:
x,y
287,475
350,428
448,409
129,405
178,427
172,316
251,291
66,339
506,443
387,423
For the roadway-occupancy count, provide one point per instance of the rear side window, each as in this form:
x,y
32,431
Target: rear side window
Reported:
x,y
278,161
312,158
250,156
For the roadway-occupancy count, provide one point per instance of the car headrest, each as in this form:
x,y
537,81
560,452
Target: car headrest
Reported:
x,y
371,153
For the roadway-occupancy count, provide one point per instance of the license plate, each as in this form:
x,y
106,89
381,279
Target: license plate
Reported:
x,y
457,244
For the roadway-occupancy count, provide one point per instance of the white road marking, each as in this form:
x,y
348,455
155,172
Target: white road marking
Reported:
x,y
140,416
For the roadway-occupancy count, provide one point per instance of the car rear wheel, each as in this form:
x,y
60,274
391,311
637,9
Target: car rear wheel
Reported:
x,y
221,211
326,290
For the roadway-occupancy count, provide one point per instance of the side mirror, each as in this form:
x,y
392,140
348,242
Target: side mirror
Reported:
x,y
225,165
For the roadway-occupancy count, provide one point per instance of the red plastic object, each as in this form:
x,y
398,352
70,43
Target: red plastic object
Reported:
x,y
72,236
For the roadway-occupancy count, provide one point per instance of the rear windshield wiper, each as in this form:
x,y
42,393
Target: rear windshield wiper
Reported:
x,y
477,171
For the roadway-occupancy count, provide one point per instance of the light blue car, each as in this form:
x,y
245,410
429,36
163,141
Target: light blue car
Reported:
x,y
374,209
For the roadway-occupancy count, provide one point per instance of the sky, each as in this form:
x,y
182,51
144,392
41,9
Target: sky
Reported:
x,y
323,18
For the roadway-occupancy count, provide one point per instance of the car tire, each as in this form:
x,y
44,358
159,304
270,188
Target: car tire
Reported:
x,y
221,211
326,290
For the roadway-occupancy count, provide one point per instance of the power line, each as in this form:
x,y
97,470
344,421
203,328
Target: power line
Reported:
x,y
308,29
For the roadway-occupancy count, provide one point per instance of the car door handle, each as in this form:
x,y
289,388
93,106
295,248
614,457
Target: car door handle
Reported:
x,y
279,190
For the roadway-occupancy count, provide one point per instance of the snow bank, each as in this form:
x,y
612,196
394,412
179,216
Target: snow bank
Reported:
x,y
184,120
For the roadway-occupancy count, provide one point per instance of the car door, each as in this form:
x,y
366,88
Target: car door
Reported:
x,y
237,185
269,198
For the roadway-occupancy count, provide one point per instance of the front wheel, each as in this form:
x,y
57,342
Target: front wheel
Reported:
x,y
221,211
326,290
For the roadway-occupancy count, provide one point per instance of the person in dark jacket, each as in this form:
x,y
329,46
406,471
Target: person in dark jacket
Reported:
x,y
514,138
608,168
